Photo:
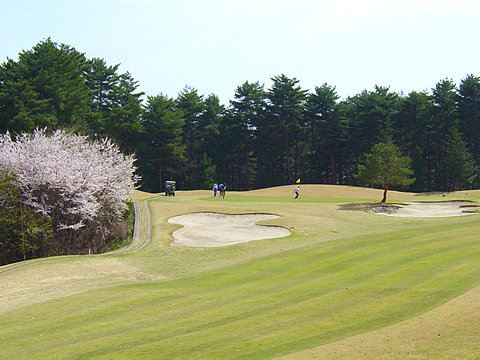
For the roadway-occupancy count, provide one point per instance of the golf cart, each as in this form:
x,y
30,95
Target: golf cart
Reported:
x,y
169,188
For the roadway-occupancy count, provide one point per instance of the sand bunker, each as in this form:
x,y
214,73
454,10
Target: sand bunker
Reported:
x,y
213,229
427,209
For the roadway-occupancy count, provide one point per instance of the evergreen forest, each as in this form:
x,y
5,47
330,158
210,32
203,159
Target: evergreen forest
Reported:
x,y
264,137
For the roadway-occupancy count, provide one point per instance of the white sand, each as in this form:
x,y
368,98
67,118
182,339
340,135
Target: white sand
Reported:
x,y
213,229
425,209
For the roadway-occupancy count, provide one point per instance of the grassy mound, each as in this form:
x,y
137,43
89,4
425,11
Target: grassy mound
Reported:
x,y
345,277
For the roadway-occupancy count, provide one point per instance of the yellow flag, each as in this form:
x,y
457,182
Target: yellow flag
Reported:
x,y
298,181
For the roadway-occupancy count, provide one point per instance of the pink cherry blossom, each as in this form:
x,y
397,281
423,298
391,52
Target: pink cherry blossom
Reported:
x,y
69,178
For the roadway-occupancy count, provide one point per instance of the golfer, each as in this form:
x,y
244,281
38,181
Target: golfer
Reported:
x,y
222,187
297,190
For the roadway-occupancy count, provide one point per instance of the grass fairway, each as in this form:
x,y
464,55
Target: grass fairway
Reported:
x,y
346,284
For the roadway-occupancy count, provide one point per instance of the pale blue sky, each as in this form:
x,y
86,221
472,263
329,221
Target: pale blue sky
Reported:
x,y
216,45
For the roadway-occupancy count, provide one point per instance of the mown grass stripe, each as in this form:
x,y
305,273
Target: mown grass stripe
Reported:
x,y
243,316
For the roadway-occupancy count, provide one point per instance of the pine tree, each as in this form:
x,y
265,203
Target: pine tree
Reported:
x,y
286,107
44,88
324,128
385,165
248,111
162,149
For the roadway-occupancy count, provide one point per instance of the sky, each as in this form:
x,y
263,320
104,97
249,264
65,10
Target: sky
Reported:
x,y
215,46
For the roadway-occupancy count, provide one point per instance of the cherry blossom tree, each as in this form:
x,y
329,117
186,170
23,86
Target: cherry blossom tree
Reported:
x,y
69,179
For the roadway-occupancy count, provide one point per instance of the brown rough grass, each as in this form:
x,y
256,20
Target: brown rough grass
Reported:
x,y
142,195
330,191
450,331
52,280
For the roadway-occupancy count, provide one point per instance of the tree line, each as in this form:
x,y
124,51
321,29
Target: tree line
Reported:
x,y
263,137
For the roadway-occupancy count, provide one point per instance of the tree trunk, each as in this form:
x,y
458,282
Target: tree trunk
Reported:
x,y
332,164
287,154
385,189
22,225
246,162
312,165
160,175
296,158
429,178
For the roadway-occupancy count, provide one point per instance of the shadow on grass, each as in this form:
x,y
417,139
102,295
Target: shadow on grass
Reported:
x,y
392,208
433,193
357,206
366,207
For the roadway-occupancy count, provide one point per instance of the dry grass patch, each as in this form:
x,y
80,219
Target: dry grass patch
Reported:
x,y
47,281
450,331
142,195
330,191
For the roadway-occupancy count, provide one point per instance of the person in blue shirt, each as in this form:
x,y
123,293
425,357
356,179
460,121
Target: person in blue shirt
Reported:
x,y
222,188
